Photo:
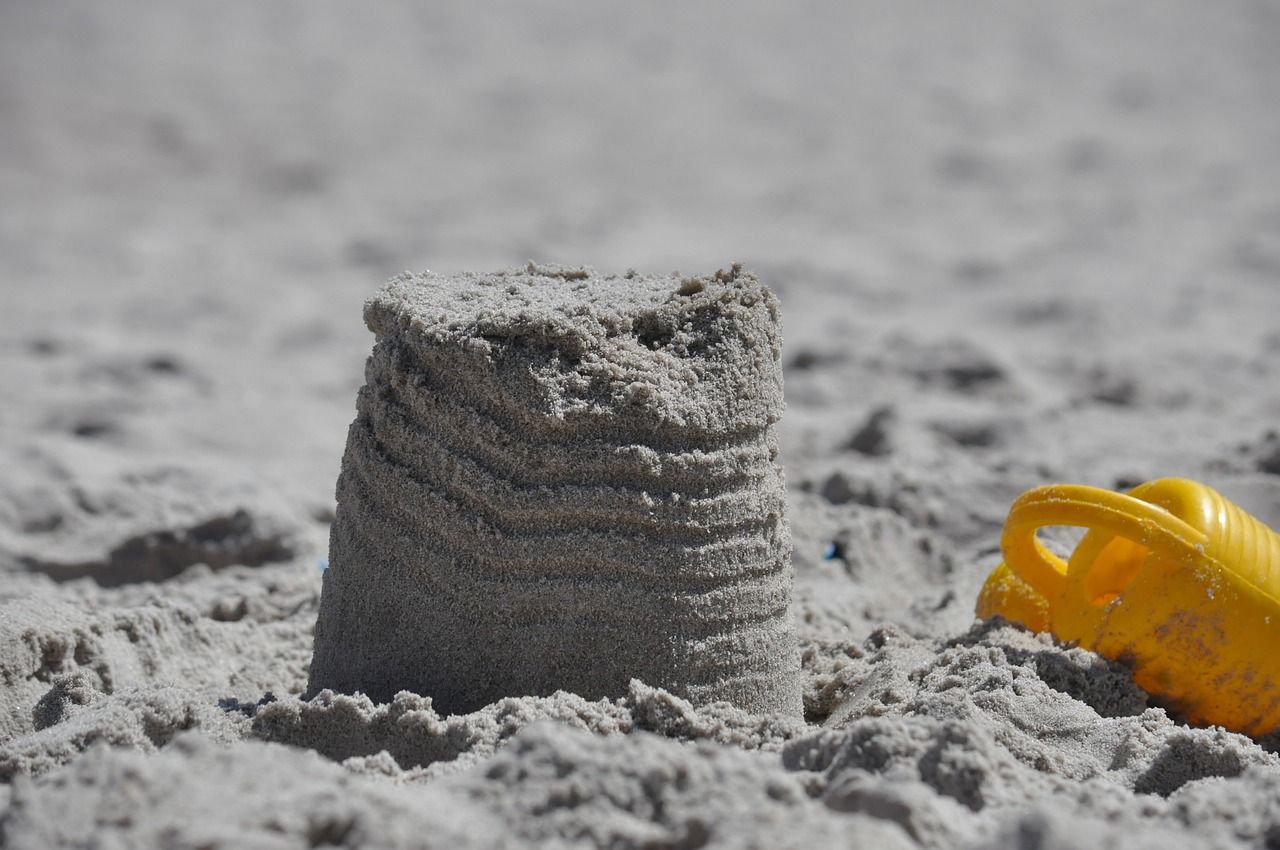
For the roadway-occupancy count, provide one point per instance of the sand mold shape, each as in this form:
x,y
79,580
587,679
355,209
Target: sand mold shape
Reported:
x,y
560,480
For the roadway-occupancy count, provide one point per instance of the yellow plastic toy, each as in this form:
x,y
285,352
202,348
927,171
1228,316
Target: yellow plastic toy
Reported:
x,y
1172,579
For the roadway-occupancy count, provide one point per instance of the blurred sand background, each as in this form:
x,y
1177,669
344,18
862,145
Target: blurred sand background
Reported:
x,y
1014,243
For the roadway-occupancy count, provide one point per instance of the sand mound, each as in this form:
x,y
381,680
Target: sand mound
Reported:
x,y
546,463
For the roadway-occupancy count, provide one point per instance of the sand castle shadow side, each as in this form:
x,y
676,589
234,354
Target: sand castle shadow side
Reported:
x,y
557,480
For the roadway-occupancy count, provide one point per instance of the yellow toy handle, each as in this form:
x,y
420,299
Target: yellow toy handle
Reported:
x,y
1091,507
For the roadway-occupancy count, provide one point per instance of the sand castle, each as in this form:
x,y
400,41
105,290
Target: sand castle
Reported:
x,y
562,481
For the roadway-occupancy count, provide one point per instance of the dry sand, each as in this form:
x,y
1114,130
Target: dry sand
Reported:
x,y
1012,243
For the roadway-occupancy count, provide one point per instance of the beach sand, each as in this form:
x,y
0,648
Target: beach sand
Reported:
x,y
560,480
1011,243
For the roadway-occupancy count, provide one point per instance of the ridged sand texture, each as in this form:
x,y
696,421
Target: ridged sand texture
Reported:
x,y
562,481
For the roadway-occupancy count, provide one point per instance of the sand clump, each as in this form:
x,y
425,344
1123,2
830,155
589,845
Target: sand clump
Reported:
x,y
415,738
558,480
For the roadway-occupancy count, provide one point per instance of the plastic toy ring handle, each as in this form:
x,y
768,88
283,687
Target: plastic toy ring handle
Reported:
x,y
1091,507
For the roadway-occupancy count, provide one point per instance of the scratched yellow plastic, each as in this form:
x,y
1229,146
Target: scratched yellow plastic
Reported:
x,y
1172,579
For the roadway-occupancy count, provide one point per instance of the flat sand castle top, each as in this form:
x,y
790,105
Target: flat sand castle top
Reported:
x,y
697,353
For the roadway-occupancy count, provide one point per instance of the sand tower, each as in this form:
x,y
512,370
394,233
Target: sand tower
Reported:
x,y
558,480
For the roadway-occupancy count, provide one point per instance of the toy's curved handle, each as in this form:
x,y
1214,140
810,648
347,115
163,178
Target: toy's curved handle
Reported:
x,y
1091,507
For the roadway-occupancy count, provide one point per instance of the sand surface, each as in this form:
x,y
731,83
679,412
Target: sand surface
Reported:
x,y
1012,242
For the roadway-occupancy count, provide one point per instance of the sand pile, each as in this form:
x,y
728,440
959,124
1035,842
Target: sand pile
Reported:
x,y
559,480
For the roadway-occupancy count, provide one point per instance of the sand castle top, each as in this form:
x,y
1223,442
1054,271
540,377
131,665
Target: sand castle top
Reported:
x,y
670,352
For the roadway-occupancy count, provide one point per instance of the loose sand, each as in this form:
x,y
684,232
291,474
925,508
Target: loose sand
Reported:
x,y
1011,243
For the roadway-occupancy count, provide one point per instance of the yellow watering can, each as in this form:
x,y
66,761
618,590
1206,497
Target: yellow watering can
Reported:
x,y
1171,579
